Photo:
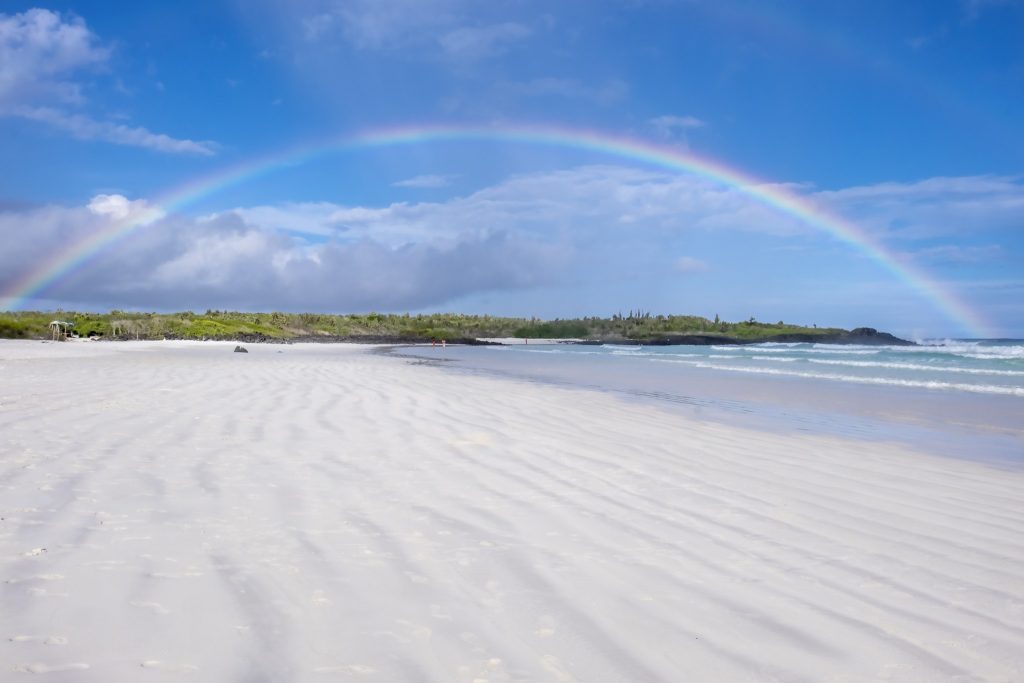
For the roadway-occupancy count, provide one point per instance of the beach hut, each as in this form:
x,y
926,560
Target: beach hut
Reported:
x,y
60,329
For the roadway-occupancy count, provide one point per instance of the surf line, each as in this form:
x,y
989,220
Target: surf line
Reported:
x,y
779,198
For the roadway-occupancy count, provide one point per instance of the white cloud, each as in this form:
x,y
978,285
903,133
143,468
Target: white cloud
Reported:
x,y
689,264
309,218
425,181
478,42
955,253
39,51
383,24
86,128
596,201
973,8
676,129
930,188
451,28
41,55
931,208
670,125
225,260
116,206
317,25
548,229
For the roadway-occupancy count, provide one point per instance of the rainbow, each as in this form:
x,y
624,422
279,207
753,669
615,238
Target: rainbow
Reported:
x,y
62,263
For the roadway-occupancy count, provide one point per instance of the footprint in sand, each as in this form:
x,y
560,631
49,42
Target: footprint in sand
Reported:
x,y
169,667
477,439
170,575
155,606
545,627
555,667
415,630
417,578
360,669
438,612
36,577
112,565
45,640
50,668
492,667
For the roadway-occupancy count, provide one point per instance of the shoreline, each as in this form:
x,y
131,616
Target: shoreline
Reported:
x,y
950,423
859,336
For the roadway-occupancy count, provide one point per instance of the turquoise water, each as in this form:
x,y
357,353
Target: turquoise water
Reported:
x,y
976,366
961,398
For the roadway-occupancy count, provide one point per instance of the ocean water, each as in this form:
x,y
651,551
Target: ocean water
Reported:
x,y
985,366
963,398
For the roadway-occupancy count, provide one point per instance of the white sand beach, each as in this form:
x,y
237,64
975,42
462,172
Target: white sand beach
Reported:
x,y
305,513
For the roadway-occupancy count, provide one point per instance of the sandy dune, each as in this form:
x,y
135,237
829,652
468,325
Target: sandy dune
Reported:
x,y
309,513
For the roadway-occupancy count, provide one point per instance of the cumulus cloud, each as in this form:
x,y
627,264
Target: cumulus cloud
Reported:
x,y
309,219
571,227
609,203
115,206
39,53
223,260
42,58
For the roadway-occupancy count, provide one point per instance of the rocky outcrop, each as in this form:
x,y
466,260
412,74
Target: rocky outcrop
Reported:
x,y
386,339
866,336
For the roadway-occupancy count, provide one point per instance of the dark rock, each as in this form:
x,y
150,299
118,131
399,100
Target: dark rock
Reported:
x,y
684,340
386,339
867,336
241,349
871,336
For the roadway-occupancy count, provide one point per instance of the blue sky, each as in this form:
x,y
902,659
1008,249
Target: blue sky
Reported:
x,y
903,118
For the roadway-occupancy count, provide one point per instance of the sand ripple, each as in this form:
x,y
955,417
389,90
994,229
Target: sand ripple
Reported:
x,y
323,512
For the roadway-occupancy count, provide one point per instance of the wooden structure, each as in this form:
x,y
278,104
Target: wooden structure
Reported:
x,y
60,330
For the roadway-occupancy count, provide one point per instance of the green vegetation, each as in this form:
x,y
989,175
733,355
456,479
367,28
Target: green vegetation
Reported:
x,y
641,325
230,325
